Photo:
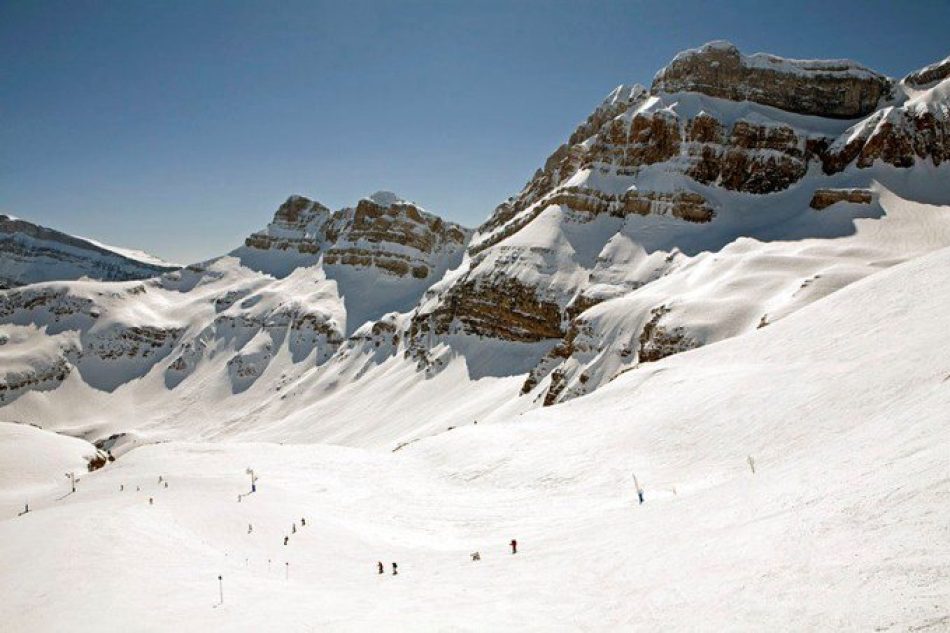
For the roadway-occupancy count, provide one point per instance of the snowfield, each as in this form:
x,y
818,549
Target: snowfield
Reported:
x,y
845,524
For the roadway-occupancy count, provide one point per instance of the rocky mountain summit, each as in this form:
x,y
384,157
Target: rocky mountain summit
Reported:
x,y
838,88
30,253
732,192
383,231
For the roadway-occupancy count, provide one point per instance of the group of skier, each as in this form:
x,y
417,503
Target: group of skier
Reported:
x,y
293,529
476,556
151,500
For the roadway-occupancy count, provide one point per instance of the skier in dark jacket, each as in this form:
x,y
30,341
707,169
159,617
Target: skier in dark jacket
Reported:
x,y
286,538
395,570
379,565
514,546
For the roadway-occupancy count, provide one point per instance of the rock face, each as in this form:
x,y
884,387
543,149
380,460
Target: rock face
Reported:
x,y
658,342
382,232
505,309
750,158
297,225
828,88
929,75
30,253
918,130
824,198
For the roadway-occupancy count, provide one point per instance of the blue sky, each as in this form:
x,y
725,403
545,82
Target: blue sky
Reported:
x,y
178,127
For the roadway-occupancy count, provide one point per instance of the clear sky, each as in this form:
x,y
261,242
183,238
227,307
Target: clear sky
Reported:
x,y
178,127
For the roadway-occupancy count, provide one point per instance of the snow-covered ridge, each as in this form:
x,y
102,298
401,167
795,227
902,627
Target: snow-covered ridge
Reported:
x,y
30,253
929,75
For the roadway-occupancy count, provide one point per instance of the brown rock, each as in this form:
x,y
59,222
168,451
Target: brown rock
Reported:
x,y
824,198
829,88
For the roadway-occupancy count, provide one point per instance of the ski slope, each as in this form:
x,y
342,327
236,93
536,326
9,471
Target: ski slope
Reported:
x,y
844,526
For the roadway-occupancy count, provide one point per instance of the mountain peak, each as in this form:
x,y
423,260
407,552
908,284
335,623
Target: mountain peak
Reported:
x,y
387,198
834,88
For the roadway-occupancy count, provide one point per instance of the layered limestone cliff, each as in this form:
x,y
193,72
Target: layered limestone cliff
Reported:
x,y
383,232
824,198
828,88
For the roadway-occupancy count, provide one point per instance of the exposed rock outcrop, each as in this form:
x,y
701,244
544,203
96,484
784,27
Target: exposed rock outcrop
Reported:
x,y
824,198
502,308
829,88
41,377
657,342
55,300
132,342
929,75
899,136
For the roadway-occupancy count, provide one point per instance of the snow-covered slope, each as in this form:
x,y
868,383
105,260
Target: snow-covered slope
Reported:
x,y
30,253
841,406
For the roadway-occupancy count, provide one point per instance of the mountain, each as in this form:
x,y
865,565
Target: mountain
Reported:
x,y
681,215
285,301
30,253
733,192
841,408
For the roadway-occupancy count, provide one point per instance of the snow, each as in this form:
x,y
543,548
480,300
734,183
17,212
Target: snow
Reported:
x,y
31,253
137,255
842,405
821,334
387,198
766,61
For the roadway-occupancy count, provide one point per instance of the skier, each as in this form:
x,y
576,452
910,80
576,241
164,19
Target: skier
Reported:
x,y
286,538
166,484
514,546
395,571
379,566
250,528
159,479
150,501
476,556
303,522
121,487
293,528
